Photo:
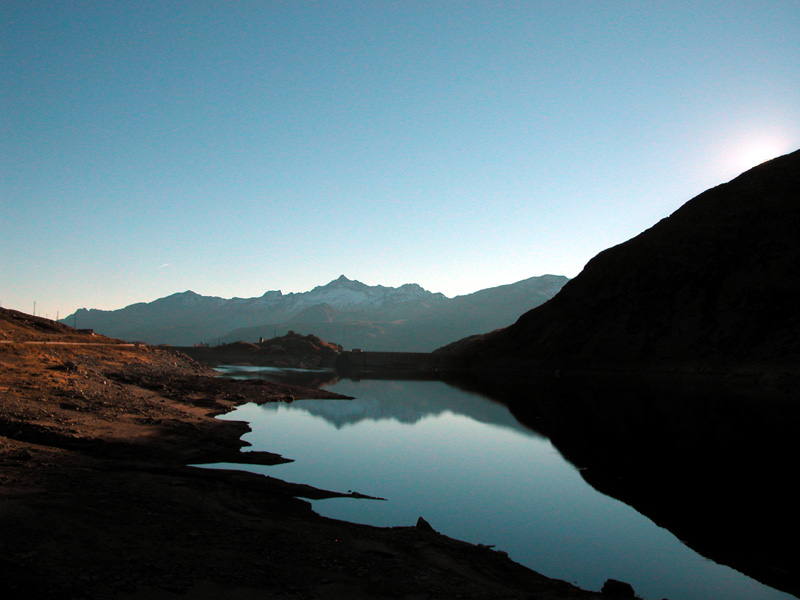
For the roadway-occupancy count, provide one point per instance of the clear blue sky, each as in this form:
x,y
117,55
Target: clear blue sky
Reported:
x,y
232,148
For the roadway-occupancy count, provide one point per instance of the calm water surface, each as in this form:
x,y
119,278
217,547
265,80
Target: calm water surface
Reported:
x,y
471,470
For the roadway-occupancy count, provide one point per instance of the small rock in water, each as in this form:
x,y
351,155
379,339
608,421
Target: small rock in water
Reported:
x,y
618,589
424,525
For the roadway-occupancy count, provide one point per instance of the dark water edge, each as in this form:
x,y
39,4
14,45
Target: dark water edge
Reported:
x,y
712,461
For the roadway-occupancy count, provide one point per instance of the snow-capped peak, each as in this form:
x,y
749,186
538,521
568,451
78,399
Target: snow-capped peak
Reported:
x,y
348,294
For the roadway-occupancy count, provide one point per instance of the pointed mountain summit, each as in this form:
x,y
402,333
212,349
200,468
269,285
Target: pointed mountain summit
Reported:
x,y
343,282
712,288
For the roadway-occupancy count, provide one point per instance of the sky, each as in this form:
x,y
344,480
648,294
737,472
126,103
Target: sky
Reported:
x,y
237,147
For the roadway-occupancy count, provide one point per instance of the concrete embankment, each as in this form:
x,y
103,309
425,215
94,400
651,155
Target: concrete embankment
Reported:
x,y
379,365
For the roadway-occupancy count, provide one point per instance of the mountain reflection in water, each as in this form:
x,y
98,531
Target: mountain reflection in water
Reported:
x,y
468,466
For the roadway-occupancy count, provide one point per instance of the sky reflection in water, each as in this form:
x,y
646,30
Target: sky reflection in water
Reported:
x,y
469,468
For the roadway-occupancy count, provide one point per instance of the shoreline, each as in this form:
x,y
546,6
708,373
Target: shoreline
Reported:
x,y
98,498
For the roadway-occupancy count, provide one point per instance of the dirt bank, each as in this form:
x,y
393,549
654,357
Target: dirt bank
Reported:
x,y
96,500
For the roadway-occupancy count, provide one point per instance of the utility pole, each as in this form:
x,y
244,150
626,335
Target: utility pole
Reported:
x,y
34,308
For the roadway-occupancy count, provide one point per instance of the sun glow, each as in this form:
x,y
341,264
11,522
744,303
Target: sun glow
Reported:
x,y
750,153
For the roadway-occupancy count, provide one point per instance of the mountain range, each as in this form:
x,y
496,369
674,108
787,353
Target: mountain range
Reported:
x,y
711,288
346,312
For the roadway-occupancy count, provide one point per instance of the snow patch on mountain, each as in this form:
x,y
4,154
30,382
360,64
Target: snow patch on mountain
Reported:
x,y
347,295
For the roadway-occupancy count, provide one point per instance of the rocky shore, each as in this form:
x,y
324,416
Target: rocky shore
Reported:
x,y
97,499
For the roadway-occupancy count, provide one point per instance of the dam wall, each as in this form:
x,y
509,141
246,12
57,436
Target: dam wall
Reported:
x,y
389,364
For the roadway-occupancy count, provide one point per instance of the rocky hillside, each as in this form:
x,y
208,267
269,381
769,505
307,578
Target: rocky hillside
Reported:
x,y
291,350
713,287
350,313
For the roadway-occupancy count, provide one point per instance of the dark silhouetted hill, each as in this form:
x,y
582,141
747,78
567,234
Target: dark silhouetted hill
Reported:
x,y
712,288
290,350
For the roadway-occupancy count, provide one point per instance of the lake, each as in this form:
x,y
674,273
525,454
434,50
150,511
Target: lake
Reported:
x,y
474,472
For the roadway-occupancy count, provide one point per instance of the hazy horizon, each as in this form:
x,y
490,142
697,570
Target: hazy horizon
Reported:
x,y
237,148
